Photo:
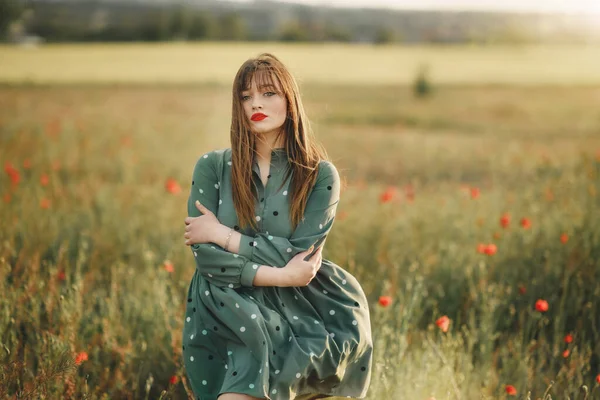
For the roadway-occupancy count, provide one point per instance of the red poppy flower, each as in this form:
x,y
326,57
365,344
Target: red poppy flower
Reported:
x,y
7,198
568,338
45,203
490,249
564,238
541,305
172,186
12,172
81,357
475,193
44,179
168,266
61,276
385,300
566,353
522,289
443,323
173,380
388,195
505,220
510,390
525,223
598,376
27,163
481,248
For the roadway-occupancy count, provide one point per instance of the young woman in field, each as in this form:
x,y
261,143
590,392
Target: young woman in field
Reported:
x,y
267,317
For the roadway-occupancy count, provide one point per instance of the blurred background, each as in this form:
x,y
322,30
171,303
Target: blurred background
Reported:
x,y
466,134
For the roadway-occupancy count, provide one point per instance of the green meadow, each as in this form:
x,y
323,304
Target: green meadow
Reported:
x,y
479,204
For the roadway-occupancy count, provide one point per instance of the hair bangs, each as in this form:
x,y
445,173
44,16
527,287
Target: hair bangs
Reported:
x,y
263,74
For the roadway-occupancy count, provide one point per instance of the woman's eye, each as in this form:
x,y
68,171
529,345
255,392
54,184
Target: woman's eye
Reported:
x,y
245,97
270,94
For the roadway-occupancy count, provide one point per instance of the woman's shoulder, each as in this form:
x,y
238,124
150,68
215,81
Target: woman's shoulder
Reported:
x,y
214,159
327,172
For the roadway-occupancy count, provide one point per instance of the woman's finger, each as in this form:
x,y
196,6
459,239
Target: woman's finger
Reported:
x,y
202,209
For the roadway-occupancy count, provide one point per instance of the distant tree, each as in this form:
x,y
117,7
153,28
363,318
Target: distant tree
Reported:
x,y
231,27
422,86
292,32
10,10
202,27
384,35
337,34
181,22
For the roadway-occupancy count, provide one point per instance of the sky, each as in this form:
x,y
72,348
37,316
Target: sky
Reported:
x,y
553,6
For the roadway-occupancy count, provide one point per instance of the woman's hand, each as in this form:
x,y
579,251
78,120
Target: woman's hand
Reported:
x,y
200,229
298,272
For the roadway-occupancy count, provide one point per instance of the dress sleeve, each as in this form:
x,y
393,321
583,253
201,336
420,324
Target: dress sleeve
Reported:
x,y
318,219
218,266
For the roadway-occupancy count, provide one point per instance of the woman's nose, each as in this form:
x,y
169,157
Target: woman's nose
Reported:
x,y
256,102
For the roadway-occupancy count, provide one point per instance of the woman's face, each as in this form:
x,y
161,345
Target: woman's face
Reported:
x,y
265,107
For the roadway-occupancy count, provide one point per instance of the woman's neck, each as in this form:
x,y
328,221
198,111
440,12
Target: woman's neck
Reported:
x,y
266,143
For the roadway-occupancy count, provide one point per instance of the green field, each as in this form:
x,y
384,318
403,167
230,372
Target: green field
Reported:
x,y
87,225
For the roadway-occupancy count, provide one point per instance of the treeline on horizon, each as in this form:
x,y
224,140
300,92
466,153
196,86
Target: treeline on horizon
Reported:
x,y
89,21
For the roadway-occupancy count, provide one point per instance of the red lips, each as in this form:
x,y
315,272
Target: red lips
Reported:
x,y
258,117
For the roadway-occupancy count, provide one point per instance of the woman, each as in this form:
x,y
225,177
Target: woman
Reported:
x,y
267,317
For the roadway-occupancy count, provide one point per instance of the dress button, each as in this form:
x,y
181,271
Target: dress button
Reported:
x,y
263,199
268,176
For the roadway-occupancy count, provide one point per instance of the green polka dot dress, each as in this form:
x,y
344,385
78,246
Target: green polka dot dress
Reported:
x,y
275,343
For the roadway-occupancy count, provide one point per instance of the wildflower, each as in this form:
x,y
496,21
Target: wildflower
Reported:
x,y
510,390
44,179
475,193
525,223
81,357
45,203
173,380
541,305
385,300
168,266
481,248
27,163
388,195
566,353
522,289
61,276
12,172
598,376
490,249
172,186
568,338
505,220
564,238
443,323
7,198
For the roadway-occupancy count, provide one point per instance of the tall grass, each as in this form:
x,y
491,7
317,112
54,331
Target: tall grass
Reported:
x,y
90,309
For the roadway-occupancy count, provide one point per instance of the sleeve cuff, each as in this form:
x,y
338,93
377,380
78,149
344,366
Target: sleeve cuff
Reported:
x,y
245,249
248,273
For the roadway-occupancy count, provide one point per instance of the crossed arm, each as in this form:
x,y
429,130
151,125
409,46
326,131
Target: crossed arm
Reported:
x,y
253,260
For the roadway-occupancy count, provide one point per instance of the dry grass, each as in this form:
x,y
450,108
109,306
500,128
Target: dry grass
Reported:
x,y
81,258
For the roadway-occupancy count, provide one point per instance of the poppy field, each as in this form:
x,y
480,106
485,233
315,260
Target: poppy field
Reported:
x,y
470,218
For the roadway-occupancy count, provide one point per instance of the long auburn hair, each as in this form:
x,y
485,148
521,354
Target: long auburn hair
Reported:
x,y
301,148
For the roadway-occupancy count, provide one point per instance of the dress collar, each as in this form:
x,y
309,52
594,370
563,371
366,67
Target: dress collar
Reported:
x,y
278,157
